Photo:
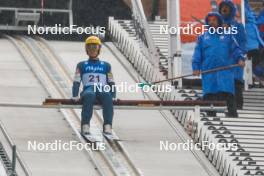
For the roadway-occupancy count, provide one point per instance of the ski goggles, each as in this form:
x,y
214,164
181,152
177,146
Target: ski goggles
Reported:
x,y
92,47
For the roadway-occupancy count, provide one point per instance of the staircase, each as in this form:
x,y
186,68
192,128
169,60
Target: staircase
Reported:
x,y
161,41
247,132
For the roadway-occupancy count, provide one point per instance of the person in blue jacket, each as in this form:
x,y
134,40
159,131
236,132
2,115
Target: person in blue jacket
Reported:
x,y
254,40
214,50
228,11
94,74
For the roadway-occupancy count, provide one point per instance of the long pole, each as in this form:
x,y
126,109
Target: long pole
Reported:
x,y
204,72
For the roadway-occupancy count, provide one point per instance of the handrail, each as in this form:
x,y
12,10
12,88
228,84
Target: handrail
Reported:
x,y
132,51
17,154
98,107
145,37
35,9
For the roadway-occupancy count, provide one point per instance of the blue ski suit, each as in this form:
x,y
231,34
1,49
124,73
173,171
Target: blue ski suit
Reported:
x,y
95,75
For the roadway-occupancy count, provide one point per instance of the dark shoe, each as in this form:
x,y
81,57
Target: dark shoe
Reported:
x,y
231,115
211,114
85,129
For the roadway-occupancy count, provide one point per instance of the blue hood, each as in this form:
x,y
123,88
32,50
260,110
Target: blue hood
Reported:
x,y
260,18
233,10
220,19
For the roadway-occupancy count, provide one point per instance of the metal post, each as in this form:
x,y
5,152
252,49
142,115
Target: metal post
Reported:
x,y
243,12
70,13
175,62
197,112
196,122
155,9
13,160
248,76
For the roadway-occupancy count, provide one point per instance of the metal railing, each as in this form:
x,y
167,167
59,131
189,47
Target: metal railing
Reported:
x,y
144,33
11,151
35,14
131,49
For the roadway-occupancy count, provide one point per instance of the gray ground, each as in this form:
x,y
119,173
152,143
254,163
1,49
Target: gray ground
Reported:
x,y
19,85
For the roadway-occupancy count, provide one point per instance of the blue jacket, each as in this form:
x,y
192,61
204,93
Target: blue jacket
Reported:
x,y
239,38
213,51
92,72
254,40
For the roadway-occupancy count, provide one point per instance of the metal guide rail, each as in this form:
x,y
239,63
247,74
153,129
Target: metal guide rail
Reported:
x,y
144,102
217,106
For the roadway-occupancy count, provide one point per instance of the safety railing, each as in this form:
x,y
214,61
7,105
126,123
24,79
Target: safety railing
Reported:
x,y
34,13
143,32
131,49
10,156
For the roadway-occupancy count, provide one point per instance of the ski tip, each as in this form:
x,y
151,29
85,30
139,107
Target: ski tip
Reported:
x,y
90,138
110,137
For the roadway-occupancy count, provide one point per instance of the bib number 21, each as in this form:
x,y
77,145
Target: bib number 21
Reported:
x,y
94,78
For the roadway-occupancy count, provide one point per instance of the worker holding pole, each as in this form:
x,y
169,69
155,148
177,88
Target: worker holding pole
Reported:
x,y
214,50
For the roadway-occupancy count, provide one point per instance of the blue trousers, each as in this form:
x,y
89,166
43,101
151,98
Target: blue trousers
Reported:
x,y
89,97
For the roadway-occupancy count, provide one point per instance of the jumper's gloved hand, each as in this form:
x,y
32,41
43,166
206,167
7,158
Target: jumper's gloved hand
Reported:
x,y
196,72
142,84
241,63
116,99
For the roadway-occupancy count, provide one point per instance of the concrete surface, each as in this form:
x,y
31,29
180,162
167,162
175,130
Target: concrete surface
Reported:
x,y
19,85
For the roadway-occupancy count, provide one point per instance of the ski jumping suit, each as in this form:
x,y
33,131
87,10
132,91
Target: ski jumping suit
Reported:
x,y
95,75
